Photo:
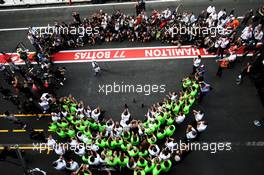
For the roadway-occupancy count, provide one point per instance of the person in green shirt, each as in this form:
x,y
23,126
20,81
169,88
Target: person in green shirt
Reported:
x,y
87,132
142,163
181,101
193,92
161,134
85,158
84,170
166,113
156,125
149,130
156,170
139,171
166,166
110,161
63,123
61,132
116,158
149,167
86,121
126,135
186,83
80,127
101,142
176,108
170,120
71,132
123,161
169,130
132,151
186,108
119,142
101,126
75,121
160,118
69,118
143,152
134,139
191,100
168,104
73,108
195,85
53,127
152,139
112,142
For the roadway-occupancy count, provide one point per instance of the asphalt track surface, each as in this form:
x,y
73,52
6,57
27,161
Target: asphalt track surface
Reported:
x,y
230,109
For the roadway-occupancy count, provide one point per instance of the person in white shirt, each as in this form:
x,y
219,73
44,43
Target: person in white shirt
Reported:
x,y
164,155
170,144
87,112
198,115
55,117
221,13
59,164
172,95
102,160
224,41
109,126
180,118
193,19
258,33
126,125
73,142
196,63
154,150
104,23
44,105
72,165
191,133
80,150
166,13
247,33
201,126
118,130
96,68
96,113
64,112
210,9
214,16
94,160
125,116
59,150
51,142
80,136
94,147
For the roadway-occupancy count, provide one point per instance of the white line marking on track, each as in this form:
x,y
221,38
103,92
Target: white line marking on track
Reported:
x,y
87,5
13,29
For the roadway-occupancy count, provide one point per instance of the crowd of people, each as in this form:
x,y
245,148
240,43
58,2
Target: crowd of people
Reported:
x,y
31,83
128,145
215,30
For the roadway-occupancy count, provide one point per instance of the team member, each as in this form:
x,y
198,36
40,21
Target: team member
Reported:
x,y
59,164
196,64
96,68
